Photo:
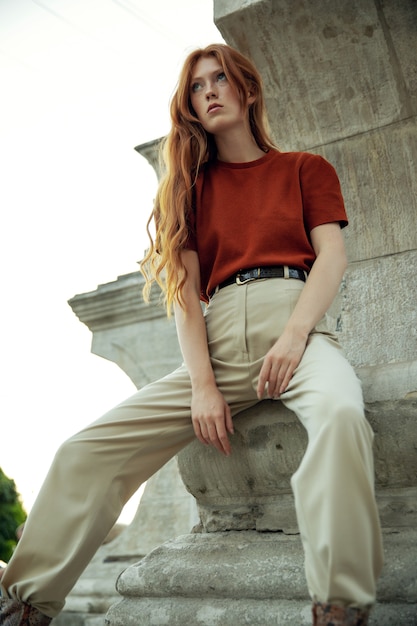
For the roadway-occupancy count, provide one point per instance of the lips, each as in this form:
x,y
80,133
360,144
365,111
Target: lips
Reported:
x,y
213,106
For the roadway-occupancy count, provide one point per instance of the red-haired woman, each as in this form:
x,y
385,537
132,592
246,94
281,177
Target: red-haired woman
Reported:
x,y
255,234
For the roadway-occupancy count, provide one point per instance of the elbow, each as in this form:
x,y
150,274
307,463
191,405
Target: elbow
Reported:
x,y
335,260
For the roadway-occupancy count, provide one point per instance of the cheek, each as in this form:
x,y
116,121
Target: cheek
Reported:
x,y
196,106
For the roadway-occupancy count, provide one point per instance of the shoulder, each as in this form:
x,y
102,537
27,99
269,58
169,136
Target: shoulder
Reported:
x,y
312,168
304,160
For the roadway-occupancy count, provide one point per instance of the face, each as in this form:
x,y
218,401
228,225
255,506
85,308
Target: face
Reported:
x,y
213,99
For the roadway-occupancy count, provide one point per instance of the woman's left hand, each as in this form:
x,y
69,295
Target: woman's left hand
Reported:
x,y
320,289
280,362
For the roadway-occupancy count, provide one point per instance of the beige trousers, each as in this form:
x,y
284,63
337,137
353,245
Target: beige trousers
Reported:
x,y
96,471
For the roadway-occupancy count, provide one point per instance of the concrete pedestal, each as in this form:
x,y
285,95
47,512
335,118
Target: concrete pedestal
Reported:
x,y
244,562
234,578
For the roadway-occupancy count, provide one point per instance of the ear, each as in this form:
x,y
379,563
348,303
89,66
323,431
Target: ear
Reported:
x,y
251,97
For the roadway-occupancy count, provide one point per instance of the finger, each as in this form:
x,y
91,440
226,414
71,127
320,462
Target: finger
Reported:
x,y
224,445
198,433
274,381
262,381
273,389
229,421
210,434
286,380
217,444
279,384
219,439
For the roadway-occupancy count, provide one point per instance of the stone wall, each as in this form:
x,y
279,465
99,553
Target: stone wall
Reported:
x,y
341,81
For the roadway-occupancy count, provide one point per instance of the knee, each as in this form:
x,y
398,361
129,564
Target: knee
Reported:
x,y
72,454
349,421
340,415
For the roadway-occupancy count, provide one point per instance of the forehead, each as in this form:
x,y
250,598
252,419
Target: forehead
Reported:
x,y
205,65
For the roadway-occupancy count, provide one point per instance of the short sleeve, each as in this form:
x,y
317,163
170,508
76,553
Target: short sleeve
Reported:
x,y
191,242
322,195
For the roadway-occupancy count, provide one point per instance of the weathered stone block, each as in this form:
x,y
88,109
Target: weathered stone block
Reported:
x,y
377,175
135,335
330,70
234,578
267,447
266,450
375,313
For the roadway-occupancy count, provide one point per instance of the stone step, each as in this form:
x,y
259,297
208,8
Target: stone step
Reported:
x,y
226,612
234,564
241,564
199,612
79,619
236,578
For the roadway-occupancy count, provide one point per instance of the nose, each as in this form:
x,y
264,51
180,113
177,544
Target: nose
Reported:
x,y
210,91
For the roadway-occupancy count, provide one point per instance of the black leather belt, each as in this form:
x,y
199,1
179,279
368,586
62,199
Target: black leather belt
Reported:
x,y
271,271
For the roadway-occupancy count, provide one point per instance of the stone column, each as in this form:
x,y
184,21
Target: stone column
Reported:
x,y
340,81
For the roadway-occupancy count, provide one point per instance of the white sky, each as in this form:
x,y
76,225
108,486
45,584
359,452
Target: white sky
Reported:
x,y
82,82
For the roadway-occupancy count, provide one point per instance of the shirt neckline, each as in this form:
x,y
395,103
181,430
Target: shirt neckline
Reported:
x,y
246,164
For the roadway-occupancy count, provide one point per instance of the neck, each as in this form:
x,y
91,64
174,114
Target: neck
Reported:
x,y
240,148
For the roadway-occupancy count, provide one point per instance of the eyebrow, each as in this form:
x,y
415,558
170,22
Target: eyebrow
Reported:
x,y
216,71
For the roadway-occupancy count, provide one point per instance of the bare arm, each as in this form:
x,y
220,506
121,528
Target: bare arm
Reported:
x,y
319,292
209,411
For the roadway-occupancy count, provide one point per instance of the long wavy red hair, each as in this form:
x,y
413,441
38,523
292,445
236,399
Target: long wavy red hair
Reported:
x,y
183,151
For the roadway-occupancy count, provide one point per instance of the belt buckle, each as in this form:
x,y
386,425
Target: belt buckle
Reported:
x,y
243,281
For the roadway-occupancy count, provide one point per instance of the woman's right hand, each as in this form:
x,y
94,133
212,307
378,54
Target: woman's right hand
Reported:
x,y
210,412
211,418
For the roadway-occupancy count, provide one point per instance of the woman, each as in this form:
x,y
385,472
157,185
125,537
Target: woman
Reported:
x,y
256,234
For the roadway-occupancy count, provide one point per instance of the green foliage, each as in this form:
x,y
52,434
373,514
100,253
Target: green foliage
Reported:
x,y
12,514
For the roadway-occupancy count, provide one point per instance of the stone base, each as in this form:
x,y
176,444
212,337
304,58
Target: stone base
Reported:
x,y
235,578
164,611
198,611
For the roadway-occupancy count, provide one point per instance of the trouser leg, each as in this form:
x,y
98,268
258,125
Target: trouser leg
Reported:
x,y
334,485
96,471
93,474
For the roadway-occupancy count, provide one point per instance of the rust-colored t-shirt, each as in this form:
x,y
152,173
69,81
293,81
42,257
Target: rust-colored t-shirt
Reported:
x,y
261,213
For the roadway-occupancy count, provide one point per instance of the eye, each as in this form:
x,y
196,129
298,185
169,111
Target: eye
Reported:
x,y
221,76
196,87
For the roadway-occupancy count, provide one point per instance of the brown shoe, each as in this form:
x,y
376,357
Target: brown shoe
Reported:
x,y
14,613
333,615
